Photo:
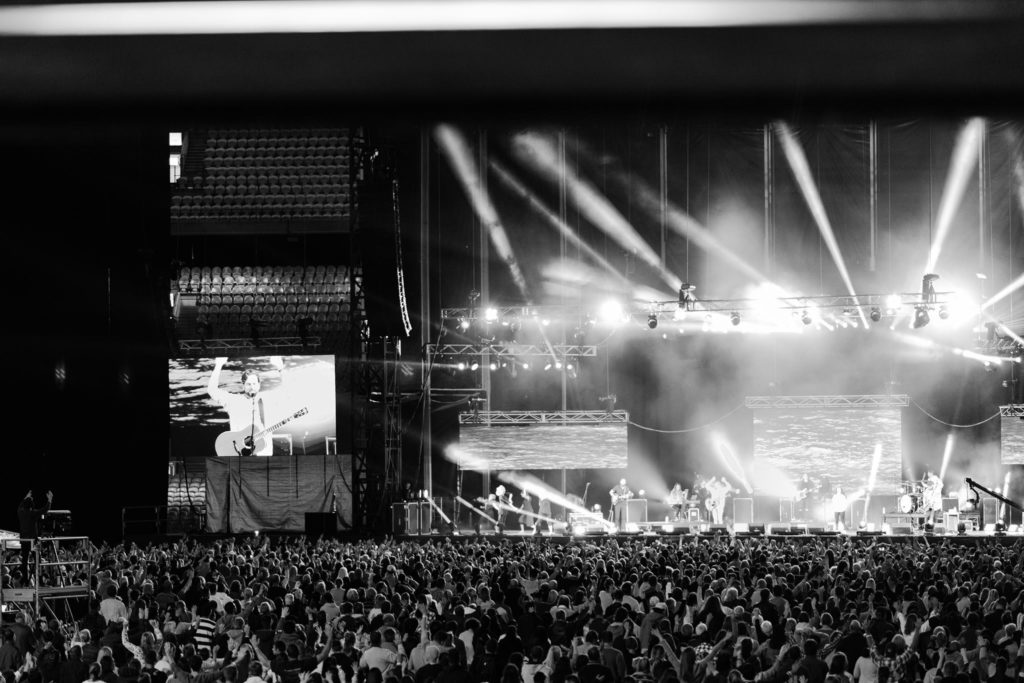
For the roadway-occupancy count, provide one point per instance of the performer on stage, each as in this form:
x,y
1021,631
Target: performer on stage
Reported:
x,y
620,494
527,516
503,501
932,496
718,491
676,499
544,510
805,490
839,504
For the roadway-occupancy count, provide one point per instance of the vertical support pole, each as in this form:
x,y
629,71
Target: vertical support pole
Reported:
x,y
873,194
426,440
485,287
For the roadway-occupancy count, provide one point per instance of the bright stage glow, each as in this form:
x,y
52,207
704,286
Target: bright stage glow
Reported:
x,y
539,153
459,153
729,459
947,452
611,313
491,314
805,179
961,167
982,358
374,16
513,184
893,303
1003,293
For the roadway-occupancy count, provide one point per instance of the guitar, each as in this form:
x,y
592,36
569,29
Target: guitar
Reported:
x,y
619,497
244,442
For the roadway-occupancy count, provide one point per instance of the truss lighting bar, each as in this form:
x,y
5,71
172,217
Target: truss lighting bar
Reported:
x,y
214,346
1013,410
512,350
534,417
1004,347
794,303
847,401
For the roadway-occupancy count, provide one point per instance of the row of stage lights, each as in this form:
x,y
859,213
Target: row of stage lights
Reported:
x,y
513,367
717,312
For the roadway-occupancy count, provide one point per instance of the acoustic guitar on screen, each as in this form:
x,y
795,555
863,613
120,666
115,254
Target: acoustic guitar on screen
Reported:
x,y
245,442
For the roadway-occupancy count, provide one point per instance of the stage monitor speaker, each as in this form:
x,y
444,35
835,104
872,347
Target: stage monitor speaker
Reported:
x,y
989,511
636,511
321,524
815,530
742,510
398,519
412,518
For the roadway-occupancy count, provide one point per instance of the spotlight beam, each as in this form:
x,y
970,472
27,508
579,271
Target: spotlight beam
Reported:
x,y
947,452
805,179
1003,293
678,220
456,149
513,184
475,509
538,152
961,167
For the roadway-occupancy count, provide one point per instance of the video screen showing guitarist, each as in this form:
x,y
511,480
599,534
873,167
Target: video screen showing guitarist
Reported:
x,y
249,412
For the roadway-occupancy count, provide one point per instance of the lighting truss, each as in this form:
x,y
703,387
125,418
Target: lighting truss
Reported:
x,y
1001,346
1012,410
536,417
222,347
670,306
838,401
513,350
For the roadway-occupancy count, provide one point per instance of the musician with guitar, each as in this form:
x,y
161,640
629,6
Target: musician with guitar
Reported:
x,y
620,494
248,412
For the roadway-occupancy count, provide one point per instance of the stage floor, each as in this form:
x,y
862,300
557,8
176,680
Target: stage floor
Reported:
x,y
469,536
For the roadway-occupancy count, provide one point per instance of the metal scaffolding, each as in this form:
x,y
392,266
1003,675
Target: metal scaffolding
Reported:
x,y
537,417
838,401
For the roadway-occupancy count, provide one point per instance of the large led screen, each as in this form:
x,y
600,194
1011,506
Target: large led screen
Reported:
x,y
260,406
1012,442
542,447
833,446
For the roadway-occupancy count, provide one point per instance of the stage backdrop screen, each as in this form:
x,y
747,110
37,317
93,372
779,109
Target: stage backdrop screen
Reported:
x,y
542,447
289,399
834,446
1012,442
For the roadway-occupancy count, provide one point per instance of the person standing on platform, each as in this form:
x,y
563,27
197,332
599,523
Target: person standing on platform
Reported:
x,y
839,504
29,517
527,516
620,494
676,499
544,513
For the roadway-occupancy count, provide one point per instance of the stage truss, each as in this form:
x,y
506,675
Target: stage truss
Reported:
x,y
493,418
512,350
837,401
794,303
1012,410
246,346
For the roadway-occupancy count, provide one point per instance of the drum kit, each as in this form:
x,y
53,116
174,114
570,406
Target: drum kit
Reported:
x,y
915,496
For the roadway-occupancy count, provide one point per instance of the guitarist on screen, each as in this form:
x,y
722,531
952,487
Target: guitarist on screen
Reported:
x,y
248,411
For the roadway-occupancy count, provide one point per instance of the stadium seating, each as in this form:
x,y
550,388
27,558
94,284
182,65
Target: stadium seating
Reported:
x,y
255,175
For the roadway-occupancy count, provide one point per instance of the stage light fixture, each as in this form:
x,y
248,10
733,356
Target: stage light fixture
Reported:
x,y
494,366
558,365
652,320
943,312
734,318
921,317
526,366
928,287
461,365
547,366
474,366
805,318
876,314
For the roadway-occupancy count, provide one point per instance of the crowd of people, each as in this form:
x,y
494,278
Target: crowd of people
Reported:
x,y
697,610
